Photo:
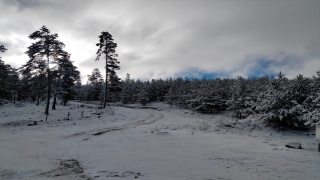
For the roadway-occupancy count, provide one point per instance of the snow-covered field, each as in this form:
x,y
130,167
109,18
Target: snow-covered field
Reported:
x,y
162,143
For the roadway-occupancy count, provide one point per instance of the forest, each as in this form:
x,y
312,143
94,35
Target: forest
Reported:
x,y
49,74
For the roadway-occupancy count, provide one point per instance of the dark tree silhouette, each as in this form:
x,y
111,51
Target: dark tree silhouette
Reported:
x,y
4,76
108,48
64,76
95,82
47,46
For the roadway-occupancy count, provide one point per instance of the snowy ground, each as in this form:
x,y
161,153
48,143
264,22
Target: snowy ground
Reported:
x,y
128,143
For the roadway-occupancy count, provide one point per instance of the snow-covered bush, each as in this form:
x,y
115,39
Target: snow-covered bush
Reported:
x,y
281,104
240,103
312,103
312,117
206,97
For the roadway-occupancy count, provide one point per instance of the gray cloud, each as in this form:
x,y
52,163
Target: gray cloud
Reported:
x,y
158,39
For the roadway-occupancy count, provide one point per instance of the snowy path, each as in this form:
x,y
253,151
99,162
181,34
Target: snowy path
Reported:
x,y
147,144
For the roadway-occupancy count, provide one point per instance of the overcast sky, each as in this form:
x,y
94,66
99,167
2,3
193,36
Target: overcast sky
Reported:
x,y
171,38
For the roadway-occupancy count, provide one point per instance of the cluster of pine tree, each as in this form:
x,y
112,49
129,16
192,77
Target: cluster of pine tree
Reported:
x,y
277,100
49,73
126,91
36,81
9,81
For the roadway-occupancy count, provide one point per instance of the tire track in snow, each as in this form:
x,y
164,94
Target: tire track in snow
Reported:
x,y
153,117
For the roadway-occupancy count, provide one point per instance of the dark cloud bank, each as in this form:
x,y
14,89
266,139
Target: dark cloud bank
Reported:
x,y
159,39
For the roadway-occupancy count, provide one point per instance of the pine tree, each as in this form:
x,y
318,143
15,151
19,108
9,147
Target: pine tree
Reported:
x,y
182,91
13,83
9,80
107,48
143,95
171,96
70,76
4,75
199,100
95,80
312,103
279,104
65,75
114,83
47,46
82,91
127,90
240,102
4,80
35,71
25,92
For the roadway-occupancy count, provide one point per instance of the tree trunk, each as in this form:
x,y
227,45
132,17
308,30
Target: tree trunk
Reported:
x,y
106,85
55,96
64,101
38,98
54,102
14,98
48,90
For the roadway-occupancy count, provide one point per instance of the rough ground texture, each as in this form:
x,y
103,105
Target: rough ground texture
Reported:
x,y
147,143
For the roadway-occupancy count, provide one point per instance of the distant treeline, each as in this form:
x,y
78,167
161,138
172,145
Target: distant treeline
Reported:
x,y
277,100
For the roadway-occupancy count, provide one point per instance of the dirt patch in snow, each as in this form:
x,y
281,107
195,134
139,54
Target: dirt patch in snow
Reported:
x,y
118,174
68,167
7,174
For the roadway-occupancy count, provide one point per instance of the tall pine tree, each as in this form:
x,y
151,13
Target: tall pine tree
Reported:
x,y
107,48
46,49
